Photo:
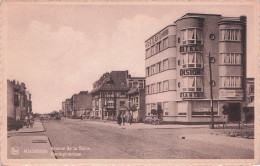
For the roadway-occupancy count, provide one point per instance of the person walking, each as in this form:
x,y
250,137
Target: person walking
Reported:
x,y
130,118
119,119
31,119
124,119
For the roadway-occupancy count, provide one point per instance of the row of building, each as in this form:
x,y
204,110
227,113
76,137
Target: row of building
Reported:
x,y
114,93
19,103
193,65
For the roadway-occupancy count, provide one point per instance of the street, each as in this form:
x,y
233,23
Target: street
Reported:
x,y
80,139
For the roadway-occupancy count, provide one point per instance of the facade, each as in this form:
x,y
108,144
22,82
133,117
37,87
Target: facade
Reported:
x,y
178,62
81,104
19,102
250,90
68,108
110,94
136,97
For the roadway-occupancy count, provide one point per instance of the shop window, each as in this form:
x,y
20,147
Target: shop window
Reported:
x,y
203,108
231,82
191,60
230,35
231,58
191,36
165,107
192,84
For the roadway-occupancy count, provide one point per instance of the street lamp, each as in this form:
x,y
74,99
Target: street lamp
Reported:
x,y
211,83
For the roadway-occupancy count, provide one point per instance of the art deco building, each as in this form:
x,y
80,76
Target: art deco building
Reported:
x,y
178,68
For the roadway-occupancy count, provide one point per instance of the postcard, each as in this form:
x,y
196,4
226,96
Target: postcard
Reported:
x,y
129,83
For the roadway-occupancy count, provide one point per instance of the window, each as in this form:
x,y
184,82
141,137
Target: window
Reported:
x,y
165,64
159,67
165,107
191,36
148,53
251,89
147,71
159,87
165,43
122,93
153,88
148,109
192,60
16,101
192,83
230,35
231,82
122,103
141,84
231,58
203,108
148,89
153,69
135,84
153,50
166,85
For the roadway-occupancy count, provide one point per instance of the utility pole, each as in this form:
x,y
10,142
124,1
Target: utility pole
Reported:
x,y
211,60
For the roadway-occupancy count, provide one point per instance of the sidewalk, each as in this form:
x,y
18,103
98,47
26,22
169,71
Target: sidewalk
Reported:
x,y
37,127
29,147
140,126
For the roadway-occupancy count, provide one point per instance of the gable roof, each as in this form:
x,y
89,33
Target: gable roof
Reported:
x,y
116,80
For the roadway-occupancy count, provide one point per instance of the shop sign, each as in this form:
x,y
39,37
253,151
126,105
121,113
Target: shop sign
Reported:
x,y
192,71
190,48
157,37
231,93
191,94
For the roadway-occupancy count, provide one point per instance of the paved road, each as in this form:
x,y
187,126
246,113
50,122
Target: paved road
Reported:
x,y
85,140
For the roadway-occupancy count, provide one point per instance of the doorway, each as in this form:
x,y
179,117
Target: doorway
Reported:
x,y
235,112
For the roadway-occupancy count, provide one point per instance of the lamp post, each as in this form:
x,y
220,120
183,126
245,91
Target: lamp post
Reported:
x,y
211,83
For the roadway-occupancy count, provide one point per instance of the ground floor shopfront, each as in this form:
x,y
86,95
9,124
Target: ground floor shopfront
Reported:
x,y
197,111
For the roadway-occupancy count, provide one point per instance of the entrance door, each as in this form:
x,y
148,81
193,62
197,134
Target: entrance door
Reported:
x,y
235,112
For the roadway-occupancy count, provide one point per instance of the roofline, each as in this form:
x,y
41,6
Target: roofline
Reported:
x,y
196,14
160,31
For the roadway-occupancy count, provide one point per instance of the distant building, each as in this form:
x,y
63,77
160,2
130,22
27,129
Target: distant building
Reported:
x,y
136,97
110,94
177,68
81,104
250,90
68,108
19,102
63,113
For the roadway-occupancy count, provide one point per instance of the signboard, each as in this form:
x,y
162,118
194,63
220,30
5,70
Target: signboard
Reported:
x,y
190,48
191,94
157,37
231,93
191,71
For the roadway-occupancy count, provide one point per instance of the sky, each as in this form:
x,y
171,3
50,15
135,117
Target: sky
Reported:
x,y
58,50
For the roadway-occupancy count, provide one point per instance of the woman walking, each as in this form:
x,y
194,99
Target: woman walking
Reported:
x,y
119,119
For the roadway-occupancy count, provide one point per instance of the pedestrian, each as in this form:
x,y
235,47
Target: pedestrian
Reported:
x,y
31,120
27,121
119,119
130,118
124,119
